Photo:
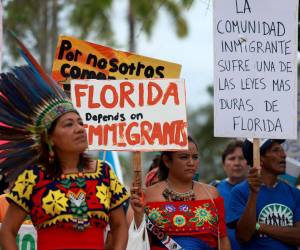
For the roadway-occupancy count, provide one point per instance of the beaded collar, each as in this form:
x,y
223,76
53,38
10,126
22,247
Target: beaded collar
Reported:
x,y
170,195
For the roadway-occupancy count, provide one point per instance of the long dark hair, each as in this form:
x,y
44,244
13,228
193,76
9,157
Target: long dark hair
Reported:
x,y
53,168
163,169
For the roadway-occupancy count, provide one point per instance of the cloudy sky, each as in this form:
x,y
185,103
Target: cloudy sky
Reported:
x,y
194,53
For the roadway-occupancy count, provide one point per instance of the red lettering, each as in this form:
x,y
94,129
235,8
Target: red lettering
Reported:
x,y
125,94
180,134
91,104
172,90
94,131
122,142
106,130
79,94
169,132
132,139
153,100
141,94
146,128
103,98
157,133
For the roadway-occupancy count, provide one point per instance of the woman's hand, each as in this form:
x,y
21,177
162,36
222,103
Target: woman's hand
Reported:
x,y
137,205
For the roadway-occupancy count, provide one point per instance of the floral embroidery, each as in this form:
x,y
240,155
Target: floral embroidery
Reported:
x,y
104,195
189,218
202,215
179,220
155,215
170,208
183,208
55,202
25,183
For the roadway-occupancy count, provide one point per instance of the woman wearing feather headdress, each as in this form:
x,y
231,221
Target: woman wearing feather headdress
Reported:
x,y
69,197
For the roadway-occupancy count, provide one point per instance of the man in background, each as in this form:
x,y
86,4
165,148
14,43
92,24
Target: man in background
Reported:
x,y
265,210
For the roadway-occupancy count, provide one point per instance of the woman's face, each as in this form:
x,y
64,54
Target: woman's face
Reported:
x,y
235,165
183,164
69,135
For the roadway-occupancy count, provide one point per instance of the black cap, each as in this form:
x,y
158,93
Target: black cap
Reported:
x,y
264,145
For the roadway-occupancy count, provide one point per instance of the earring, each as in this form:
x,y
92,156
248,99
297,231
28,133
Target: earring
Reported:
x,y
51,154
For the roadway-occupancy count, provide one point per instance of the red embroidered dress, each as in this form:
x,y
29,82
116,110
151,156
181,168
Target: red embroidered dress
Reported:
x,y
200,219
54,205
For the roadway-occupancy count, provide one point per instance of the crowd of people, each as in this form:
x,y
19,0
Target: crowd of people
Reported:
x,y
71,199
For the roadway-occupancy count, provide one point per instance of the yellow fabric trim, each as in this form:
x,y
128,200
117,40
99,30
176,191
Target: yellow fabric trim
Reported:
x,y
19,202
69,217
120,201
117,188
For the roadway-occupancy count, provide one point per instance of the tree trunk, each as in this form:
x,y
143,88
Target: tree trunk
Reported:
x,y
54,28
43,34
131,26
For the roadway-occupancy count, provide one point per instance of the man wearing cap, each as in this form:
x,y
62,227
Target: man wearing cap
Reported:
x,y
266,211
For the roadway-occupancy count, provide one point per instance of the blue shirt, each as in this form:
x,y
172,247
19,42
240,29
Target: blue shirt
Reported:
x,y
278,206
224,188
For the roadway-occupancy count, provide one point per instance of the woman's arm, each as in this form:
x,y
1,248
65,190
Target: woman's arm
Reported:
x,y
12,221
119,229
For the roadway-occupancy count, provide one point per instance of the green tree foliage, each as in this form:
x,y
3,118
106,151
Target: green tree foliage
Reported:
x,y
92,18
36,23
201,128
95,15
145,13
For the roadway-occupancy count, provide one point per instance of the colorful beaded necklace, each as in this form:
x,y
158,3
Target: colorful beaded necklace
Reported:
x,y
171,195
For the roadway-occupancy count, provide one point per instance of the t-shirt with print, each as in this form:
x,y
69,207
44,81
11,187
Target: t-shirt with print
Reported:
x,y
277,206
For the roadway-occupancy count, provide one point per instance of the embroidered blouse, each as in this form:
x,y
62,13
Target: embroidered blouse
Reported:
x,y
201,219
54,205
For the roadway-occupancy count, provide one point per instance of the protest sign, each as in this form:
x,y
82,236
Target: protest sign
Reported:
x,y
77,59
255,74
292,149
132,115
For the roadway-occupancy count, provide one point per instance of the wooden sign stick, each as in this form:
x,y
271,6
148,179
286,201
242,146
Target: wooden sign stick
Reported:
x,y
137,175
256,154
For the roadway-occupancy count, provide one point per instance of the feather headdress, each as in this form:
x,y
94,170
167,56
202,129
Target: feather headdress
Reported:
x,y
30,101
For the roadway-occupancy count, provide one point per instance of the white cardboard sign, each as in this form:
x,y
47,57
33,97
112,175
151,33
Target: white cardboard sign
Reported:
x,y
255,73
132,115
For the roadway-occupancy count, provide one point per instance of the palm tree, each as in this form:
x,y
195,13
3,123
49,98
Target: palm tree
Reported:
x,y
36,22
89,14
92,17
145,13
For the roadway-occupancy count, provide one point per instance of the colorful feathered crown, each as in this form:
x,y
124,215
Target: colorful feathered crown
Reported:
x,y
30,101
